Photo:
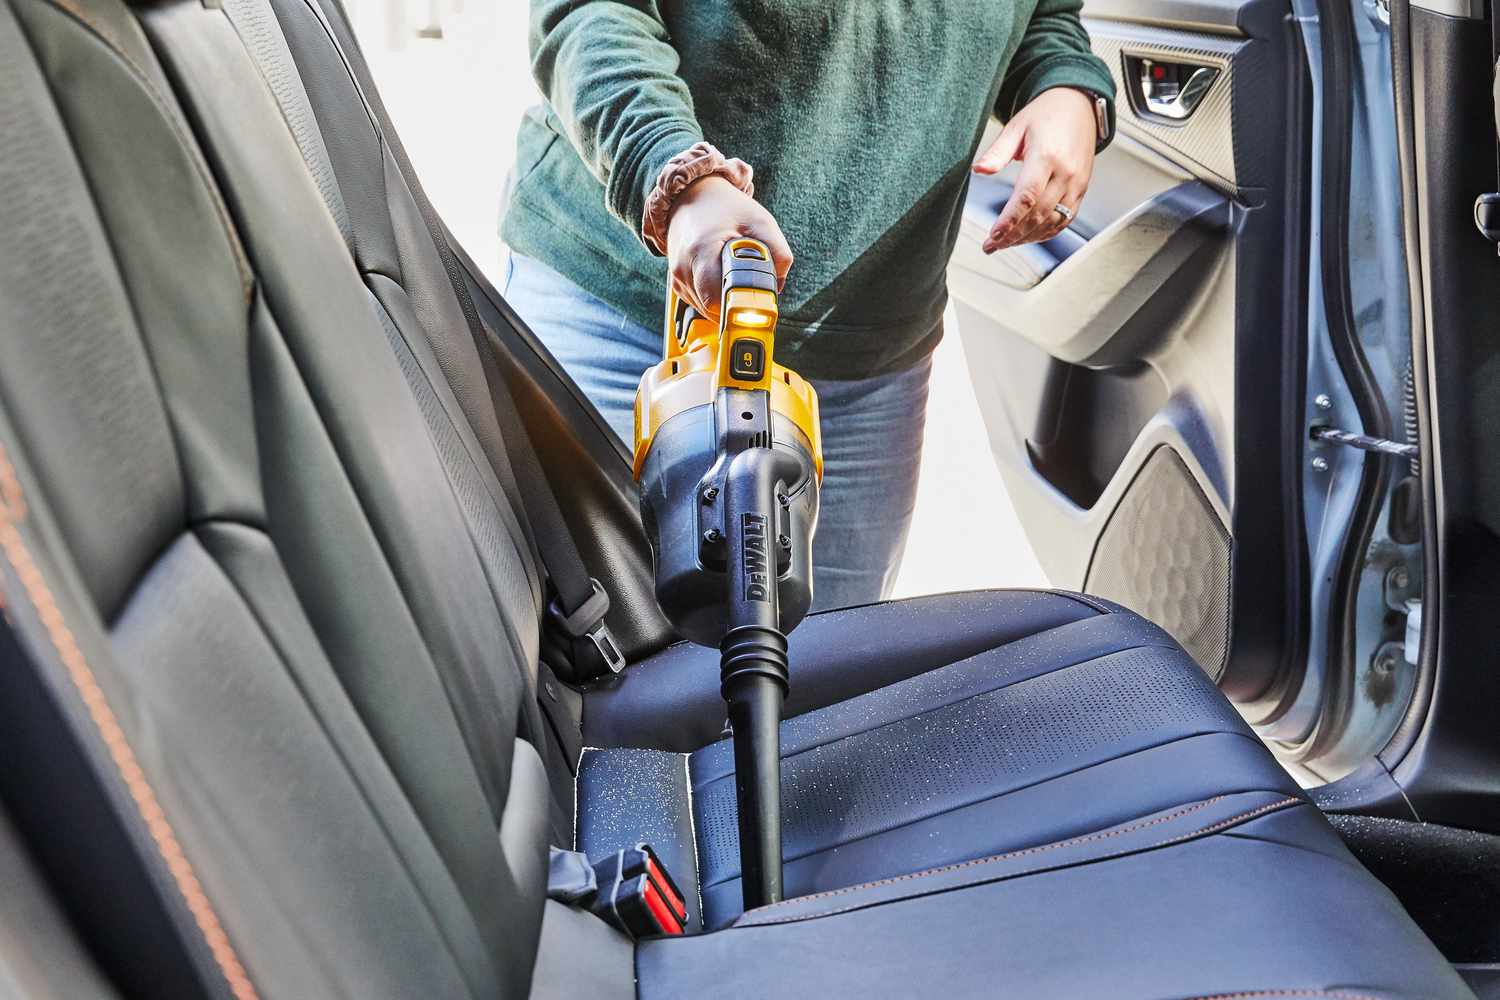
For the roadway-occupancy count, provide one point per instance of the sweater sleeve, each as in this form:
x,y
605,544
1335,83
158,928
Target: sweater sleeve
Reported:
x,y
609,72
1054,52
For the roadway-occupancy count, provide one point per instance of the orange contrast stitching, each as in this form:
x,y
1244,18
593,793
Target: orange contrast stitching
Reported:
x,y
958,866
1250,814
1231,821
12,500
113,736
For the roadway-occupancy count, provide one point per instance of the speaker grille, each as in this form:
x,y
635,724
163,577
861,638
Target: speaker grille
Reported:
x,y
1164,554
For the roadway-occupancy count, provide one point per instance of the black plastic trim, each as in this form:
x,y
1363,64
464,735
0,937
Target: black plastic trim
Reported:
x,y
1269,571
1150,263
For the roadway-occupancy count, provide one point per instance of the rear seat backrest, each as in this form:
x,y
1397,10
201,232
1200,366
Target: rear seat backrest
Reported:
x,y
409,292
416,305
391,246
266,567
410,299
388,236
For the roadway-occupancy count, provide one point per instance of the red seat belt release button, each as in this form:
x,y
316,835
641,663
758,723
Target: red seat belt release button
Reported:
x,y
636,894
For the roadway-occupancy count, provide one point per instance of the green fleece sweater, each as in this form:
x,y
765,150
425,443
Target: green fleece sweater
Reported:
x,y
860,118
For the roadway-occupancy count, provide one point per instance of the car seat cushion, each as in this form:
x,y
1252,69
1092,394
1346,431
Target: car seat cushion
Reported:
x,y
1246,895
1069,729
671,701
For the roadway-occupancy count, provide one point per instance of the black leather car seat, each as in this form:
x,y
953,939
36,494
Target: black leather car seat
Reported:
x,y
261,562
682,800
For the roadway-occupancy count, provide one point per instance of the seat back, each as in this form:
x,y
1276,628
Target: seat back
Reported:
x,y
296,643
308,61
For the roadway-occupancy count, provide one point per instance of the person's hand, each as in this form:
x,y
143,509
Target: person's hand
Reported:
x,y
708,214
1053,137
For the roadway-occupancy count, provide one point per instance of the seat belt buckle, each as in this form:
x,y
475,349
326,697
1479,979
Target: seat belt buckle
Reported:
x,y
630,890
586,627
636,894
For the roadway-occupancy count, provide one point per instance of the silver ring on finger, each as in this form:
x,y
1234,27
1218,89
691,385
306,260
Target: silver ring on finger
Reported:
x,y
1064,211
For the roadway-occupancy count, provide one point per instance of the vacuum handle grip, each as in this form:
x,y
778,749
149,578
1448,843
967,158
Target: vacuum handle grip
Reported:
x,y
745,262
674,344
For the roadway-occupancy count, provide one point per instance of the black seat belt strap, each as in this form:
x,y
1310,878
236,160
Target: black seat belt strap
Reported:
x,y
581,602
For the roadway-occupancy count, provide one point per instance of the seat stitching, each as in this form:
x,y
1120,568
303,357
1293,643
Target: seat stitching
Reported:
x,y
1103,835
945,593
1083,599
12,507
967,696
12,499
974,862
247,279
113,736
1026,786
1232,821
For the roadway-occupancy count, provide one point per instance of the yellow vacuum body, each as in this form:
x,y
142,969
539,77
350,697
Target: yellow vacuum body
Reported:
x,y
729,460
716,393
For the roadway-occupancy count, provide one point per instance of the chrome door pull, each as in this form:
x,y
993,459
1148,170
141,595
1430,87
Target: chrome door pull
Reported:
x,y
1168,90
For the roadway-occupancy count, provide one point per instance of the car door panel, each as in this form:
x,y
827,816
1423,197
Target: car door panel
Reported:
x,y
1111,364
1106,299
1202,143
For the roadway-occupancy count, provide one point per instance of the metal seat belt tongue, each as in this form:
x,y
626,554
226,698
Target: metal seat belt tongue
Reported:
x,y
585,626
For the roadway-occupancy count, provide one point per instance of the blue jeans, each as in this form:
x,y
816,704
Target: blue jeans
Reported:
x,y
872,429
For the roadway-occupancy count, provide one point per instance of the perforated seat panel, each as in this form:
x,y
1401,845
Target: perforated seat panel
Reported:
x,y
951,764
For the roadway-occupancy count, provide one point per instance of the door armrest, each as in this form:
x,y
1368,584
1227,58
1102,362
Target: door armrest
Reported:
x,y
1095,301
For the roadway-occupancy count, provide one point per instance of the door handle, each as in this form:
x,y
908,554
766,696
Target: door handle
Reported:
x,y
1167,90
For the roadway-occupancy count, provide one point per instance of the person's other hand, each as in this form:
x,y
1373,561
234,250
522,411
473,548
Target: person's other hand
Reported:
x,y
709,213
1053,137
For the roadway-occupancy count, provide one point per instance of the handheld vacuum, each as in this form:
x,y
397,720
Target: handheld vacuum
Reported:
x,y
728,457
